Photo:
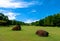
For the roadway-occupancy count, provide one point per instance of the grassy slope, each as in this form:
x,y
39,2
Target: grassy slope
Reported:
x,y
28,34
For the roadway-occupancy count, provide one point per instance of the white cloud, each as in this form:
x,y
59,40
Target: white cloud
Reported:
x,y
10,15
20,4
30,21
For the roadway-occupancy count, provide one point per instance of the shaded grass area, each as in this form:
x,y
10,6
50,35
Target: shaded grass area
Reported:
x,y
28,34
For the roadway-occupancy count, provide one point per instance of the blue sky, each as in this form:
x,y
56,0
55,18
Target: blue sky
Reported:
x,y
29,10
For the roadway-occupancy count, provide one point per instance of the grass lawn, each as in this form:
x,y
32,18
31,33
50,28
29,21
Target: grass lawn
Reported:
x,y
28,34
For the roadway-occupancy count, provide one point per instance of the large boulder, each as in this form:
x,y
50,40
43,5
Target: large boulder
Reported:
x,y
42,33
17,27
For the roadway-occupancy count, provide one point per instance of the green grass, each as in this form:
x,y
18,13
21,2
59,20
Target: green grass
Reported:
x,y
28,34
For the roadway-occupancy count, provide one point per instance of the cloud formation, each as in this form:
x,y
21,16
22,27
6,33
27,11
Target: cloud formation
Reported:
x,y
11,15
20,4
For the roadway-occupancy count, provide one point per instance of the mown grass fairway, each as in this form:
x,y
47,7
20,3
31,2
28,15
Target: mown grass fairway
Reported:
x,y
28,34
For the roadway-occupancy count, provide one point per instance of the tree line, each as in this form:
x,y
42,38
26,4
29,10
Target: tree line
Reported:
x,y
4,21
52,20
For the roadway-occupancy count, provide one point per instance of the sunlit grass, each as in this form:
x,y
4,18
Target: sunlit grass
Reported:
x,y
28,34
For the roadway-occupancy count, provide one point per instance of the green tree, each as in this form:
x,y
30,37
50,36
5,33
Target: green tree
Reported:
x,y
52,20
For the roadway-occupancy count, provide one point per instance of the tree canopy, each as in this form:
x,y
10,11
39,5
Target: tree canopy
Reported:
x,y
52,20
5,21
